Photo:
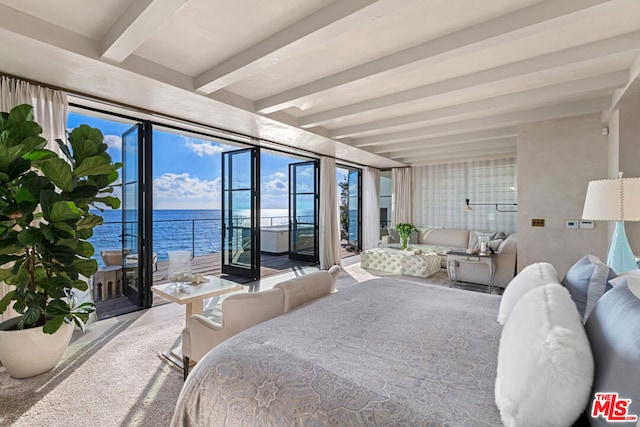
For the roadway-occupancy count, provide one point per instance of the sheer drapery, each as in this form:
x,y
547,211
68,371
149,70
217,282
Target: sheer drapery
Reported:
x,y
50,111
370,208
329,221
50,107
401,196
441,191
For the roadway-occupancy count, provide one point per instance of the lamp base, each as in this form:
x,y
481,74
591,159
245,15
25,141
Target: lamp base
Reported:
x,y
620,257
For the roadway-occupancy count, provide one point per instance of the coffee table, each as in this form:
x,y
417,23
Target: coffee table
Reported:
x,y
193,295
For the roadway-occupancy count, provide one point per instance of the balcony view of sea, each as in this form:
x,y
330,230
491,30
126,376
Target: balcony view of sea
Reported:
x,y
197,231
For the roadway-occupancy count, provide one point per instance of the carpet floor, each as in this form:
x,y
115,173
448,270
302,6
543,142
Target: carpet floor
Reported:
x,y
114,374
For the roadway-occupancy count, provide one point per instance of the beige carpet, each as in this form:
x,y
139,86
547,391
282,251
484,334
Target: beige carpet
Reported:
x,y
112,376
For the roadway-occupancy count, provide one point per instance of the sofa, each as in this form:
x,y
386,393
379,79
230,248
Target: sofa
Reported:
x,y
443,240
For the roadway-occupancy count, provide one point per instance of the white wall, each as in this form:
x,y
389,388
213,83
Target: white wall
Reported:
x,y
556,161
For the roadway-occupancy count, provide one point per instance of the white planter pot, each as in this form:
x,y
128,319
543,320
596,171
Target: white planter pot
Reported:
x,y
29,352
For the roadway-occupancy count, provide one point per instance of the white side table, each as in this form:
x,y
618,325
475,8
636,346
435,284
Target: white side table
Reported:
x,y
107,279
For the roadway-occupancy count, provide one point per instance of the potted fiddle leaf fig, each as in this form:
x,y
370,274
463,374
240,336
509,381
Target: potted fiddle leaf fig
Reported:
x,y
405,230
45,224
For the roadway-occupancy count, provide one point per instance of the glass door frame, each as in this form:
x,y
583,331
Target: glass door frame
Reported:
x,y
294,254
141,270
253,272
357,244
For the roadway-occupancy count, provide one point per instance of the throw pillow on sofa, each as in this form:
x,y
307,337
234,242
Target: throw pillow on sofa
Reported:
x,y
587,280
545,367
531,277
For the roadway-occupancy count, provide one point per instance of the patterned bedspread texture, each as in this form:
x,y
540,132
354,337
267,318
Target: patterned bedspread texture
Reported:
x,y
383,352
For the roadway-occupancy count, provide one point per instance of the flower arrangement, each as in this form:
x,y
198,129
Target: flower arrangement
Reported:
x,y
405,230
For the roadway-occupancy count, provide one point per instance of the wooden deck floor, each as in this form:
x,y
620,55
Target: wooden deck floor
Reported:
x,y
208,265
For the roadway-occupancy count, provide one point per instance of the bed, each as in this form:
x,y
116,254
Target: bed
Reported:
x,y
384,352
393,352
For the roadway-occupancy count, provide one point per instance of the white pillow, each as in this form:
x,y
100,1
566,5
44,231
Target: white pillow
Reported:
x,y
532,276
545,365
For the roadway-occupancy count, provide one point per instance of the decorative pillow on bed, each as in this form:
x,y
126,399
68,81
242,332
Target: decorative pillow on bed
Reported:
x,y
614,333
621,279
545,366
531,277
587,281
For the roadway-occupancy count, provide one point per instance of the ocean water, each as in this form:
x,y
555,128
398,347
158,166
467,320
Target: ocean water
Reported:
x,y
197,231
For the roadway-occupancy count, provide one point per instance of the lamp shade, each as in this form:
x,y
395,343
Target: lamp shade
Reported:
x,y
613,200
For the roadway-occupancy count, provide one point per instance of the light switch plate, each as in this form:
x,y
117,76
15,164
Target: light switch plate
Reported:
x,y
573,224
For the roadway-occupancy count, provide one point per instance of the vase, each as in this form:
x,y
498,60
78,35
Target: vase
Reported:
x,y
403,242
29,352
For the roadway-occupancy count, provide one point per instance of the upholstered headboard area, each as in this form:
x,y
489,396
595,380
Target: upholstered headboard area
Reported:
x,y
613,329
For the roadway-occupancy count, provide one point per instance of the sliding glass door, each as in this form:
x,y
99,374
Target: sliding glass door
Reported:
x,y
303,211
240,213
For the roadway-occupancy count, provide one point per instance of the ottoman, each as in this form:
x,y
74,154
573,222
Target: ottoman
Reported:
x,y
420,265
383,260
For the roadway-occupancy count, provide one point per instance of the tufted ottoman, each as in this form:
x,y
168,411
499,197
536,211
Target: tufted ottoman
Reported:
x,y
409,263
383,260
420,265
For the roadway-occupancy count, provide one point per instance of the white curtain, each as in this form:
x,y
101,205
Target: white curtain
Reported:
x,y
50,111
401,196
370,208
329,215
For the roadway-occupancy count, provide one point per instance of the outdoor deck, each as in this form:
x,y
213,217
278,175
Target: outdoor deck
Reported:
x,y
208,265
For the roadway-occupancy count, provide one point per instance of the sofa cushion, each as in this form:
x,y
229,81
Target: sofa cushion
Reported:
x,y
473,238
450,237
545,366
531,277
613,329
587,280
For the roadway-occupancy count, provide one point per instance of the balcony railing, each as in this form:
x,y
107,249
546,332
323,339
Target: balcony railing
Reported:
x,y
201,236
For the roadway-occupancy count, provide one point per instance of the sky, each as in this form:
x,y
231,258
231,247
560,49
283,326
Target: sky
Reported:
x,y
187,170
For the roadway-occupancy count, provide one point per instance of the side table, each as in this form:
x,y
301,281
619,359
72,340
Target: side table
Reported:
x,y
454,258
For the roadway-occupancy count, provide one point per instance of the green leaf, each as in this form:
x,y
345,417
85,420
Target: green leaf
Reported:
x,y
64,149
53,325
47,199
30,237
57,307
41,154
65,211
47,233
85,249
31,316
84,192
85,142
86,267
58,171
20,114
6,300
93,166
112,202
89,222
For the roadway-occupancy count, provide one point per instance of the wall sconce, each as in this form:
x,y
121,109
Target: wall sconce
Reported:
x,y
468,208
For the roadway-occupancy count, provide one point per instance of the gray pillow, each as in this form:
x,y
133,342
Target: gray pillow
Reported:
x,y
587,281
614,335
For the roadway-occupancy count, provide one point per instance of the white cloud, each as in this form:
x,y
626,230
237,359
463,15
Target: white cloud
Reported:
x,y
205,148
113,141
182,191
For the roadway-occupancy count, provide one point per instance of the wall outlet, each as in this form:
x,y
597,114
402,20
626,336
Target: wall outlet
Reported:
x,y
586,224
573,224
537,222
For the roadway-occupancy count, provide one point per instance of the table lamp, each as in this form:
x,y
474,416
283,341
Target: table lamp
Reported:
x,y
615,200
